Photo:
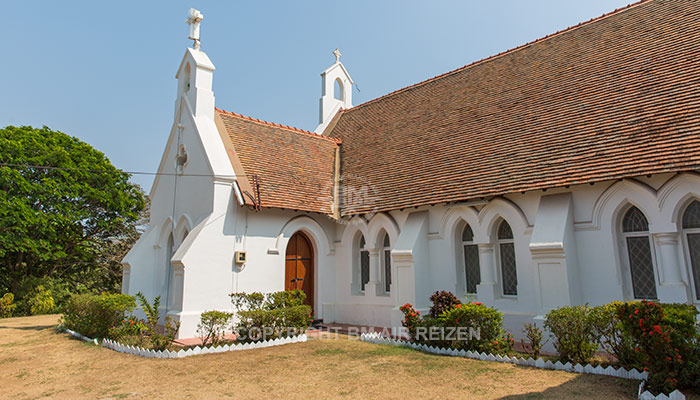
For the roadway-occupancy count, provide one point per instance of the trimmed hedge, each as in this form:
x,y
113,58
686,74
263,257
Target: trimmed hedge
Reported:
x,y
254,325
278,314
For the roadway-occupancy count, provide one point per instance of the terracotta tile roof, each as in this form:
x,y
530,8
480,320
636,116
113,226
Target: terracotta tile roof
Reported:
x,y
615,97
295,168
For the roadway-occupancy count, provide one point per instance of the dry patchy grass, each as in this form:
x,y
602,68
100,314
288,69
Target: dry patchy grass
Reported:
x,y
38,362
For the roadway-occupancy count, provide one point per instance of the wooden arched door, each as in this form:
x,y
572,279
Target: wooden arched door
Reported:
x,y
299,266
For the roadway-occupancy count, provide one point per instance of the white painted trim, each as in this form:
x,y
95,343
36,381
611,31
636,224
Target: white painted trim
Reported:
x,y
309,226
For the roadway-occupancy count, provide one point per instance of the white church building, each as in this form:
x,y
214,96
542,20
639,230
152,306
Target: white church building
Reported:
x,y
561,172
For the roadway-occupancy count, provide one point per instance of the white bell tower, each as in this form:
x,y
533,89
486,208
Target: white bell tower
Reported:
x,y
196,74
332,102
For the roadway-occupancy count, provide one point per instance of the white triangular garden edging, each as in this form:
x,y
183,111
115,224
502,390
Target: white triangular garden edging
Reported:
x,y
377,338
646,395
141,352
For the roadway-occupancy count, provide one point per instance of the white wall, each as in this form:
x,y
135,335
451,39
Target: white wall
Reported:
x,y
575,259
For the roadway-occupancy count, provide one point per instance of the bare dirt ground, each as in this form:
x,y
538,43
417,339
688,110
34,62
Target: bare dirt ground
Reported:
x,y
38,362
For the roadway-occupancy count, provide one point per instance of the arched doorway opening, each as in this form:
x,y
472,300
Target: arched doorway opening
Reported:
x,y
299,266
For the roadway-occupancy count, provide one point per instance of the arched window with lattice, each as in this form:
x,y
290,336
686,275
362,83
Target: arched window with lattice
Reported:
x,y
635,232
691,233
364,263
386,262
471,260
506,259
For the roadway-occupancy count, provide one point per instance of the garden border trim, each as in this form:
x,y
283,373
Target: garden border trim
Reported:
x,y
141,352
646,395
81,337
377,338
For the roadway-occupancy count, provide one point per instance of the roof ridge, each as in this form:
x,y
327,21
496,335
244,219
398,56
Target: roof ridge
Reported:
x,y
503,53
272,124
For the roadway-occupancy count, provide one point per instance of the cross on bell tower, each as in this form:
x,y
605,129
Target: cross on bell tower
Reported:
x,y
337,55
332,102
193,20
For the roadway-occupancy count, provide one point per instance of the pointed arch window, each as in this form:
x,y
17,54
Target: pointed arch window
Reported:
x,y
471,260
185,232
338,90
386,252
635,230
691,231
169,253
506,250
364,263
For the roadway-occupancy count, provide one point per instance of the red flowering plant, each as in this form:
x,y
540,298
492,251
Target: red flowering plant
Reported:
x,y
660,343
430,331
470,326
129,331
411,320
504,344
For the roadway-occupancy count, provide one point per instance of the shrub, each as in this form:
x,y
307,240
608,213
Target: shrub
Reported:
x,y
159,339
41,302
278,314
92,315
212,325
287,298
131,331
256,325
612,339
665,337
682,318
443,301
471,326
7,305
504,344
420,330
485,322
247,301
573,328
534,337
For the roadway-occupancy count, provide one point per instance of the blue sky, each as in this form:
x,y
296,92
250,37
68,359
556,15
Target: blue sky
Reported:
x,y
105,71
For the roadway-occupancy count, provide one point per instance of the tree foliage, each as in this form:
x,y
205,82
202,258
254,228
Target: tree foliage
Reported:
x,y
68,223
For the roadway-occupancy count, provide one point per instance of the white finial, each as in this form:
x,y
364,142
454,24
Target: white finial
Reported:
x,y
337,55
193,21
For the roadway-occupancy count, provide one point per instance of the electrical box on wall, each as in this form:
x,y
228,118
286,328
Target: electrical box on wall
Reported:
x,y
239,257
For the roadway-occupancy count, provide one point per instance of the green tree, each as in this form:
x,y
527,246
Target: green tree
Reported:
x,y
65,212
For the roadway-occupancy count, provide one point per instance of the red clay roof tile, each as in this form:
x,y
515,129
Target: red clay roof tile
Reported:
x,y
295,168
614,97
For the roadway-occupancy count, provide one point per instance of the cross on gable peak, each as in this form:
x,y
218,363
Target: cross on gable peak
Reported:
x,y
337,55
